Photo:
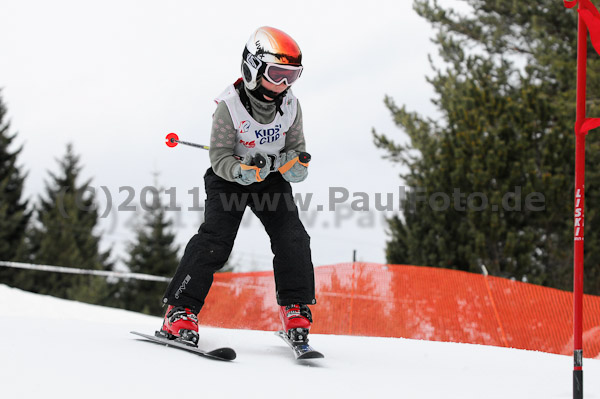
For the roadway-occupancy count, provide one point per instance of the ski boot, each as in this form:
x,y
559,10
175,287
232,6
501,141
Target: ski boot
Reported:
x,y
296,321
180,324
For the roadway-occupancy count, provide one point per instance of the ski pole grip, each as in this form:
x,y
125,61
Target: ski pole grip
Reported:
x,y
304,157
259,161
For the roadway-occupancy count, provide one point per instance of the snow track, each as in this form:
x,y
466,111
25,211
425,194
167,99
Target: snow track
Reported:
x,y
52,348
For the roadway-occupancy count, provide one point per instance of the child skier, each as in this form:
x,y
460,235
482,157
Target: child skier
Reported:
x,y
257,118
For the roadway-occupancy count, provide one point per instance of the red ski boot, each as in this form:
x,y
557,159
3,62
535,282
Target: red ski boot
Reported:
x,y
296,321
180,324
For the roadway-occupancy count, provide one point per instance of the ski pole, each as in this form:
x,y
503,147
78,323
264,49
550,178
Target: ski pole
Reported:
x,y
259,160
173,140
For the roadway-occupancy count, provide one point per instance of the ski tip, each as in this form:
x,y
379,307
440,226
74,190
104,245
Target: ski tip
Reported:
x,y
223,353
311,355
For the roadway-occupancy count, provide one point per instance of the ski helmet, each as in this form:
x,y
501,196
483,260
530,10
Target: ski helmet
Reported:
x,y
273,54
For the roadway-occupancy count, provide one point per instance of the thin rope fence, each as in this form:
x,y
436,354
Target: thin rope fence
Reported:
x,y
72,270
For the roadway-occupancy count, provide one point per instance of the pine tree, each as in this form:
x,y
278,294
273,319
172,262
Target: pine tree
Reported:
x,y
14,216
153,252
64,236
506,96
13,209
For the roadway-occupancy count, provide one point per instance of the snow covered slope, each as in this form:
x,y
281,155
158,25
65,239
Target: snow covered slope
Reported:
x,y
52,348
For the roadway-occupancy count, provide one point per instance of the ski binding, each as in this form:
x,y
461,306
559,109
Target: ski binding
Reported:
x,y
302,350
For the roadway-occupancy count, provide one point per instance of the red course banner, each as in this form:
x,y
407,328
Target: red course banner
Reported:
x,y
414,302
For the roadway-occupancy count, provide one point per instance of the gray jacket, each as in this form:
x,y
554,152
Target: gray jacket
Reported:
x,y
221,156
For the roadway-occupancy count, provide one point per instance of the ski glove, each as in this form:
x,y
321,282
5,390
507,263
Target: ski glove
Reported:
x,y
247,173
291,168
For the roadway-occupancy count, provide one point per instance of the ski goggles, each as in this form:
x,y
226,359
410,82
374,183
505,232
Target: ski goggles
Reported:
x,y
278,73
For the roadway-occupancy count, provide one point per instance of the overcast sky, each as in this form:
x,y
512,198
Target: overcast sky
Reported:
x,y
114,77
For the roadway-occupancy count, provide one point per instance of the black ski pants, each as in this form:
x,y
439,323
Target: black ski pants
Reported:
x,y
208,250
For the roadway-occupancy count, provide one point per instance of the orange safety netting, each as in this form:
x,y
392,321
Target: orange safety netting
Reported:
x,y
414,302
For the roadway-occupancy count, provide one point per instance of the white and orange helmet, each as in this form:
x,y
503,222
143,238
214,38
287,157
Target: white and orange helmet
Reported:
x,y
272,54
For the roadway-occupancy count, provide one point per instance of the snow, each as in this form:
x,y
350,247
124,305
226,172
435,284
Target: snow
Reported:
x,y
53,348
